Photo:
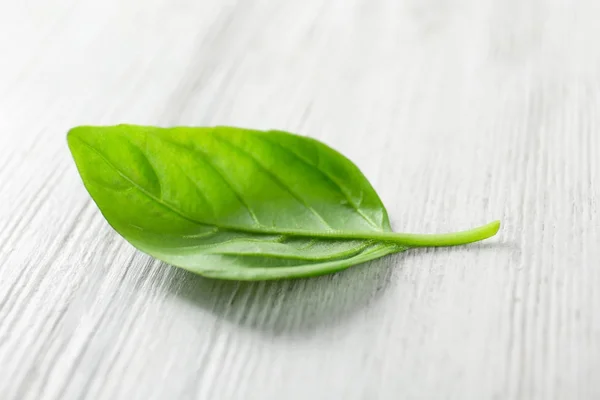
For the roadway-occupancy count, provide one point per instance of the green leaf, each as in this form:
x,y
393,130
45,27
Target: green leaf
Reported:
x,y
240,204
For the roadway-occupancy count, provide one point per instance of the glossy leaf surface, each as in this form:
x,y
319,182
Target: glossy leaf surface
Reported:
x,y
236,203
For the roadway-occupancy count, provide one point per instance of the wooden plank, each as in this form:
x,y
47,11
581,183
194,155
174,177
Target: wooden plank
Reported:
x,y
458,112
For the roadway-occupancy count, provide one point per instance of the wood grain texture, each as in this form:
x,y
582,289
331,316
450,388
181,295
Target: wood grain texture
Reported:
x,y
458,112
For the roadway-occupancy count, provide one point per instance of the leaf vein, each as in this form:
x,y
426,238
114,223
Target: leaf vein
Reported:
x,y
220,174
324,174
274,177
344,253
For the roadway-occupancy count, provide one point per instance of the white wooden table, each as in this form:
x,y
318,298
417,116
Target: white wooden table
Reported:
x,y
459,112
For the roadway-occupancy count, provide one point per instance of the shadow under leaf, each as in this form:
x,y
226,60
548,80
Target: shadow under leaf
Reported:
x,y
289,307
300,306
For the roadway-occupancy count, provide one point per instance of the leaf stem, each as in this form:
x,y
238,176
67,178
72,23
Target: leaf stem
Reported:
x,y
446,239
422,240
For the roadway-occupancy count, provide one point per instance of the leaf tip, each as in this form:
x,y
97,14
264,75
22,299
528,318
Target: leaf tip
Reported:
x,y
74,134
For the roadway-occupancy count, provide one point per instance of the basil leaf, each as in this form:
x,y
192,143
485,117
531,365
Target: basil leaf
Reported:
x,y
240,204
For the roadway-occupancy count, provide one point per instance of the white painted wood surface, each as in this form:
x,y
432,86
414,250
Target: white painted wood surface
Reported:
x,y
459,112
